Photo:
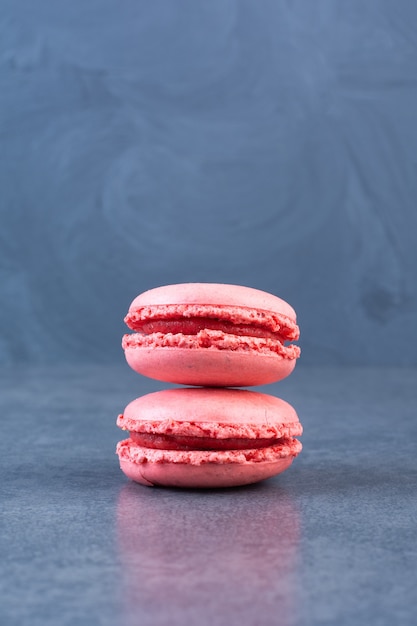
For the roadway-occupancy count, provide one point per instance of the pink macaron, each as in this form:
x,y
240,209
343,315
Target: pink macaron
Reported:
x,y
211,334
199,437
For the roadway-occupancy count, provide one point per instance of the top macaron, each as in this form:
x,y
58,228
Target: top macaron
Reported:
x,y
211,334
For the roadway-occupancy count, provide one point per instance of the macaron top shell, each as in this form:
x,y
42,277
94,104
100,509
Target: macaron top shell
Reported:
x,y
214,413
212,294
197,306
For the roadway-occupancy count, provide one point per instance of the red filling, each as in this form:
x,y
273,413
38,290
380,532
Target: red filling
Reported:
x,y
178,442
194,325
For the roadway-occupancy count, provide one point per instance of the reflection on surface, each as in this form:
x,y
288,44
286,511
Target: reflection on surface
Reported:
x,y
208,557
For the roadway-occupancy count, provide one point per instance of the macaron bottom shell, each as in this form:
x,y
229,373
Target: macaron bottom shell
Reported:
x,y
207,476
209,367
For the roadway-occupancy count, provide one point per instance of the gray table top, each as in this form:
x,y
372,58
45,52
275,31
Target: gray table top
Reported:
x,y
331,541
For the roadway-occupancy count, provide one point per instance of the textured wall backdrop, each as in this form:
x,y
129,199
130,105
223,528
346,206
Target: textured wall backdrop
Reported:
x,y
267,143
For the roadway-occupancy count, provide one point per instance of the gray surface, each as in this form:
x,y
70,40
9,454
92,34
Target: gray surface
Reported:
x,y
331,541
271,144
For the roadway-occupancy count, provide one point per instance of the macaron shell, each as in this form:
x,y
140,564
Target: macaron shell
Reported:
x,y
226,368
214,293
202,476
237,407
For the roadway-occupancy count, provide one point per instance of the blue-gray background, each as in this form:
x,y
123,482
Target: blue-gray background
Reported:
x,y
265,143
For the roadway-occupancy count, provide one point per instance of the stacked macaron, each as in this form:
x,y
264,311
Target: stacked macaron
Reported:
x,y
213,337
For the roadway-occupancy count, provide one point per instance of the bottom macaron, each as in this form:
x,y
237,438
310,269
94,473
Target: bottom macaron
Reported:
x,y
207,438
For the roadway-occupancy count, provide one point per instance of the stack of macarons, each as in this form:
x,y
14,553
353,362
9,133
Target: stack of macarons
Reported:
x,y
213,338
